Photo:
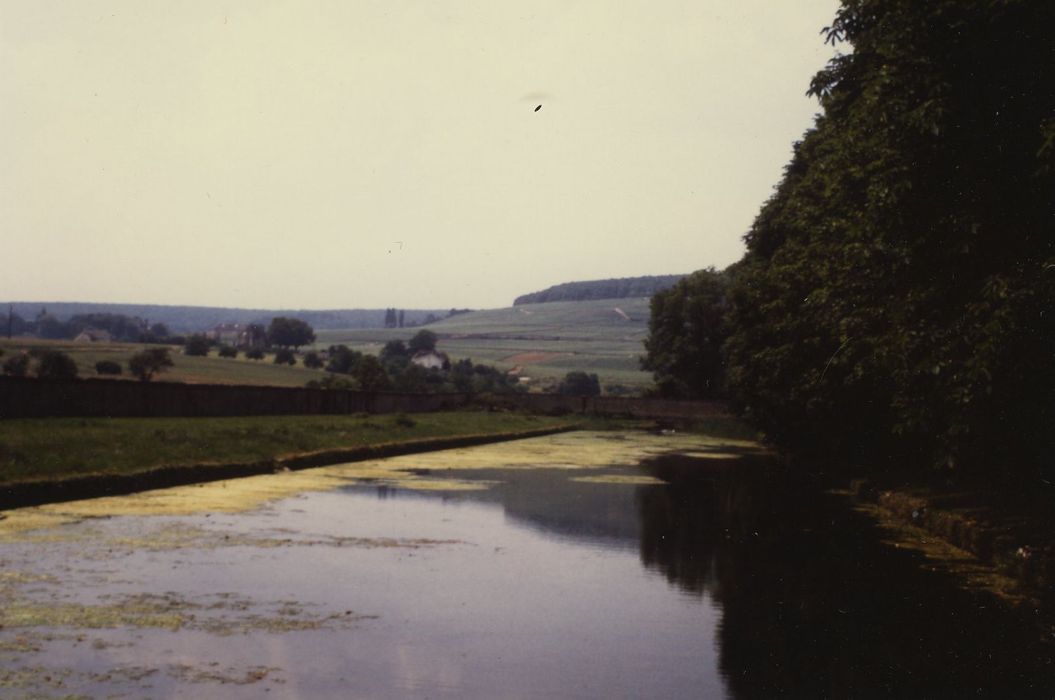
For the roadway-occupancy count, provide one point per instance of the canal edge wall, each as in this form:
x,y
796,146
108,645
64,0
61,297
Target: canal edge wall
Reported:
x,y
22,397
990,544
34,493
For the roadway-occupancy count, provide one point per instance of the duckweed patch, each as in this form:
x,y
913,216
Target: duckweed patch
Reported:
x,y
577,451
222,614
630,479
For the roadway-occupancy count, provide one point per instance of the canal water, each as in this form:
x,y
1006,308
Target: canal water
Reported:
x,y
584,565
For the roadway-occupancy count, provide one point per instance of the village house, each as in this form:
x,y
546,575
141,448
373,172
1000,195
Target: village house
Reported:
x,y
431,359
92,335
225,333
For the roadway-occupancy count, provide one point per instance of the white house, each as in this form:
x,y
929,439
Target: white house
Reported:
x,y
430,359
92,335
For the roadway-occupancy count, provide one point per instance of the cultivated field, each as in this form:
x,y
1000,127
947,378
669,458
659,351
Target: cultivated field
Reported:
x,y
545,340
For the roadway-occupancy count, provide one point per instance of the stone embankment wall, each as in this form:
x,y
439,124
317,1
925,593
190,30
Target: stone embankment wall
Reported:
x,y
34,398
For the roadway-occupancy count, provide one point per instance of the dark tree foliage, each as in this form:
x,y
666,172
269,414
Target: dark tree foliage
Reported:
x,y
600,289
17,365
896,297
285,356
371,375
197,346
410,378
286,332
149,362
227,351
343,360
313,361
394,349
579,384
54,364
332,381
51,328
254,354
422,340
121,328
686,329
107,367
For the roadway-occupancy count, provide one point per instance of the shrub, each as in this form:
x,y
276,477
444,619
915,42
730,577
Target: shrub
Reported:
x,y
147,363
197,346
285,356
228,351
56,365
17,365
313,360
254,354
107,367
579,384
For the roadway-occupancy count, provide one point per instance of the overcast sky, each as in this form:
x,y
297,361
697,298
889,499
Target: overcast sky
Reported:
x,y
370,154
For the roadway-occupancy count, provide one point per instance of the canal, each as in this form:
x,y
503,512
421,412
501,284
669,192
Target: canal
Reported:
x,y
581,565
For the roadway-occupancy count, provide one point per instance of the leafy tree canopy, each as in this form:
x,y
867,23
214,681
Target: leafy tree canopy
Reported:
x,y
147,363
686,328
897,290
422,340
289,332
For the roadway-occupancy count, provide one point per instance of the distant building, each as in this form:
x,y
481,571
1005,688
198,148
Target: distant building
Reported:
x,y
92,335
252,336
430,359
225,333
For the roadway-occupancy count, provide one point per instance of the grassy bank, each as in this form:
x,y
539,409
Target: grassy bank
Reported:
x,y
62,448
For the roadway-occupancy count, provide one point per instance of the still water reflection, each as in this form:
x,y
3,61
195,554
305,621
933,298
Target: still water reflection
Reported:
x,y
689,572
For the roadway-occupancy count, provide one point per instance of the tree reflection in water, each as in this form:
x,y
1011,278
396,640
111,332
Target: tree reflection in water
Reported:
x,y
814,603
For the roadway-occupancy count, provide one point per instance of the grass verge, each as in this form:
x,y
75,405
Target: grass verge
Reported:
x,y
54,449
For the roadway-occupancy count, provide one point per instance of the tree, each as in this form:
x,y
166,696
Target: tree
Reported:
x,y
107,367
285,356
147,363
17,365
312,360
896,292
286,332
197,346
411,378
343,360
54,364
394,355
254,354
579,384
401,317
686,330
371,375
52,328
228,351
422,340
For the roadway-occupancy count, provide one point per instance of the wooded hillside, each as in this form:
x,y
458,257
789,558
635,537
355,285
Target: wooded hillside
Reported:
x,y
620,288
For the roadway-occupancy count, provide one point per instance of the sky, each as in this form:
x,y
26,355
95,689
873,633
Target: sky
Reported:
x,y
298,154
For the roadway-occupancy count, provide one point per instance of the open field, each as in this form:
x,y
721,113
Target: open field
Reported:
x,y
601,336
546,341
192,370
57,448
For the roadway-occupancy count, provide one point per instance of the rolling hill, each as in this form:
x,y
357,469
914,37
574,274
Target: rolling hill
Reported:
x,y
619,288
542,341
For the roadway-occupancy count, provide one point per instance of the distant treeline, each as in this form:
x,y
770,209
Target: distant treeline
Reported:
x,y
620,288
896,305
191,319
